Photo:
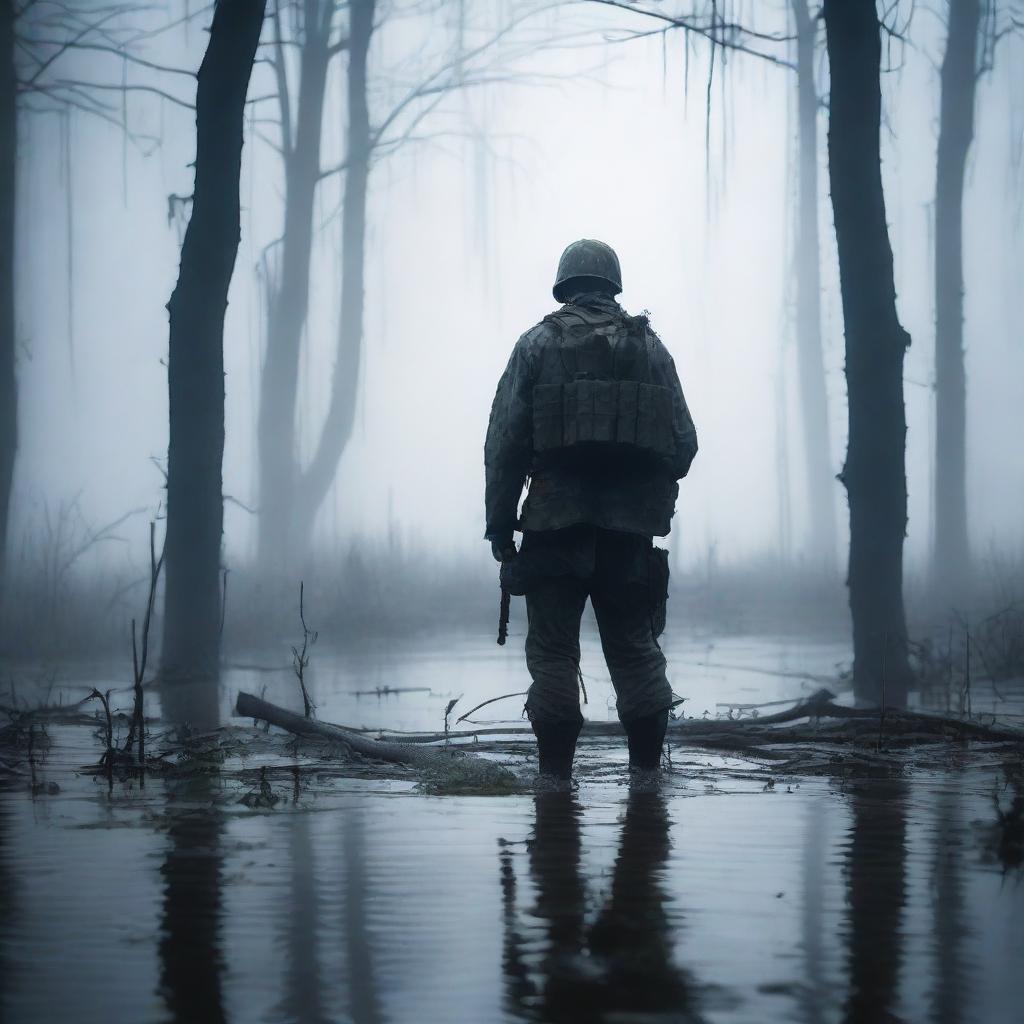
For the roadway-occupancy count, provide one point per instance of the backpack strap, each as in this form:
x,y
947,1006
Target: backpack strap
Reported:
x,y
583,321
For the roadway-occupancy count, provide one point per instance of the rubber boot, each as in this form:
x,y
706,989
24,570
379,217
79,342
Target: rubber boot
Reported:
x,y
645,737
556,744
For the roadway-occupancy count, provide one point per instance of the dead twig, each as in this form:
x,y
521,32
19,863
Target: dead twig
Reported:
x,y
107,760
447,711
965,697
390,691
138,726
881,710
493,700
300,657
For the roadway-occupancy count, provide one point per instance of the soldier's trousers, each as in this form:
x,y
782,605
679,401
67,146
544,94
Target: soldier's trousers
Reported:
x,y
614,570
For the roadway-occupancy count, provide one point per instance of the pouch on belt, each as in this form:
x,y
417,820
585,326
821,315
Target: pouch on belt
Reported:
x,y
658,589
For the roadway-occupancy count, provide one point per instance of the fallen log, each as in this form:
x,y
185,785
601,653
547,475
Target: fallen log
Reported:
x,y
894,721
746,736
761,729
418,756
809,707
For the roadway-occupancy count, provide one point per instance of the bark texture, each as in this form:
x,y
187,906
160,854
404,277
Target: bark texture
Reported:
x,y
820,473
875,472
956,130
8,179
195,365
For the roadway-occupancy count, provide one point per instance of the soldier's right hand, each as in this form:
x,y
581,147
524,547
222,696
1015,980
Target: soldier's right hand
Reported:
x,y
503,550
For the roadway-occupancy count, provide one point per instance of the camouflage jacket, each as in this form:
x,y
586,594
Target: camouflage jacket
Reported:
x,y
633,495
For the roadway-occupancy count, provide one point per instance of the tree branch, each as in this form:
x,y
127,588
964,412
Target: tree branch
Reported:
x,y
75,84
29,41
283,91
728,35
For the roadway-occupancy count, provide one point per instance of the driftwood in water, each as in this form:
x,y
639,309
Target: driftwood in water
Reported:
x,y
815,720
851,724
817,704
396,752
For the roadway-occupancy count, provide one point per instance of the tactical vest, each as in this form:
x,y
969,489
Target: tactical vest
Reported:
x,y
596,394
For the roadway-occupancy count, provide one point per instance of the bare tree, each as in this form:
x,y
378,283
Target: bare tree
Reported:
x,y
875,472
974,29
291,494
38,42
956,129
288,276
195,366
8,177
712,23
820,472
337,429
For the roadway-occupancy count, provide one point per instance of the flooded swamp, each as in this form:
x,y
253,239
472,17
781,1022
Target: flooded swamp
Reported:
x,y
257,876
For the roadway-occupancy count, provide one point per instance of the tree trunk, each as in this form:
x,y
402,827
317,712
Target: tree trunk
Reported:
x,y
875,472
813,394
337,429
288,291
195,364
8,181
956,129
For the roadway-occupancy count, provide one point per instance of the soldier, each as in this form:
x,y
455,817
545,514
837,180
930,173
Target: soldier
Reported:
x,y
590,410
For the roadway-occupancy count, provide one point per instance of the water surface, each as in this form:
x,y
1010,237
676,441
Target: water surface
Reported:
x,y
733,894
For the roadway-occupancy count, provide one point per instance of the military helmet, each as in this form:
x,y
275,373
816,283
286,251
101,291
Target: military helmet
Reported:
x,y
587,258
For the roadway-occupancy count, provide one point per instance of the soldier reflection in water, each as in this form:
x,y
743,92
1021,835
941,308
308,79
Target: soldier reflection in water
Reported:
x,y
619,966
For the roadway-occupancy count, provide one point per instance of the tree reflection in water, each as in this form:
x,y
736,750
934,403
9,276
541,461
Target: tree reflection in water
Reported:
x,y
303,990
191,953
814,992
191,957
952,963
621,962
876,876
360,967
8,905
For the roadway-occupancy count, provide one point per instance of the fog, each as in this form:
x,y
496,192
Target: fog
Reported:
x,y
260,755
591,135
